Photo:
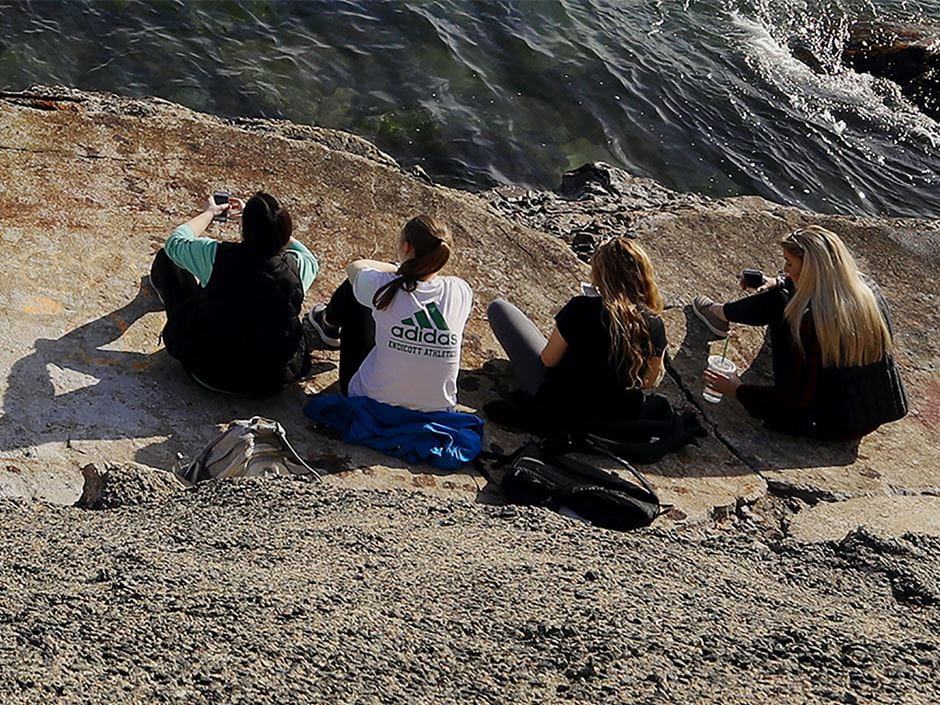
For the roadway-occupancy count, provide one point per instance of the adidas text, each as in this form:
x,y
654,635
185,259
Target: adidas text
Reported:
x,y
429,336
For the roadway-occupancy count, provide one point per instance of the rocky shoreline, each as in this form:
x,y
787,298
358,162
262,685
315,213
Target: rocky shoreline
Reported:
x,y
389,582
286,591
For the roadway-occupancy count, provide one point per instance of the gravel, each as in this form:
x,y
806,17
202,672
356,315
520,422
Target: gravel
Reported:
x,y
279,590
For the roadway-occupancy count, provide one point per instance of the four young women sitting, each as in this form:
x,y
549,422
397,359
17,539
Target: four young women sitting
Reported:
x,y
232,320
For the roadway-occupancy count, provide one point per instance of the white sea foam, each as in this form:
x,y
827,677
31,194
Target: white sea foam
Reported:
x,y
834,99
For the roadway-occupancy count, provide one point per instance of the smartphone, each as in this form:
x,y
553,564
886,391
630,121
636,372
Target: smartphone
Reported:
x,y
588,289
753,278
221,197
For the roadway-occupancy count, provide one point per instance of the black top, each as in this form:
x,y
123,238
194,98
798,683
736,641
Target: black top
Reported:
x,y
242,332
585,380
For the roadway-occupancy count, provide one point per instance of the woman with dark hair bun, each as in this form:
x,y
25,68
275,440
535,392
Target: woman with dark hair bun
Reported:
x,y
399,328
233,308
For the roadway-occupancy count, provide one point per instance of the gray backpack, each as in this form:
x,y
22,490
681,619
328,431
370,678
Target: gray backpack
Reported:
x,y
257,447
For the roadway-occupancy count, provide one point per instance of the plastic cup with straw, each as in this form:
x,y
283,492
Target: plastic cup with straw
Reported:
x,y
723,366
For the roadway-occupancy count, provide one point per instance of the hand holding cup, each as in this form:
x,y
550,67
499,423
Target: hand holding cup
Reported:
x,y
720,378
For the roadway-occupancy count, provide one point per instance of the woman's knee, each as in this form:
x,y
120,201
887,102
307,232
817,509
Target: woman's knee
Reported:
x,y
500,312
496,308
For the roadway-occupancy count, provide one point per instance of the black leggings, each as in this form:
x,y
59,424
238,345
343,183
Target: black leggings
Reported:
x,y
173,284
357,332
766,309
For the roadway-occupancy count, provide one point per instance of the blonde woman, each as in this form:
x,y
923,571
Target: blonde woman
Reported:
x,y
604,349
830,334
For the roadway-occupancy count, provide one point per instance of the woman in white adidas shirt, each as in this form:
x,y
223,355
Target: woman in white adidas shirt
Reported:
x,y
399,328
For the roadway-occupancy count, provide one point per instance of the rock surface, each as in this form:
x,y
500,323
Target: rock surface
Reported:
x,y
111,486
908,54
893,516
347,591
22,478
281,591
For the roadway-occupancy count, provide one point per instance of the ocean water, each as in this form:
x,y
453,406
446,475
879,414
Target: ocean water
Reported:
x,y
702,95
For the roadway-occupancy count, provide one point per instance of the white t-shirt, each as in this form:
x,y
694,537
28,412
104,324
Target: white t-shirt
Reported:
x,y
416,357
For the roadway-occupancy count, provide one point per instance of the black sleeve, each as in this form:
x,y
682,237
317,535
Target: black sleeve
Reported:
x,y
657,334
759,309
570,320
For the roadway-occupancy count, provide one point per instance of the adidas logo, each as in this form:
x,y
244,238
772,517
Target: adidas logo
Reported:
x,y
429,318
426,325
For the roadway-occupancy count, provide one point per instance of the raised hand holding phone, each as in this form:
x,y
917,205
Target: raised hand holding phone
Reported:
x,y
752,279
219,205
235,207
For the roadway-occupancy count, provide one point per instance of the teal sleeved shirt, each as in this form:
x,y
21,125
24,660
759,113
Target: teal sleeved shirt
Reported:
x,y
197,255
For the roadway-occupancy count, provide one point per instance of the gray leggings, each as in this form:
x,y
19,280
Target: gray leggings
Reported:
x,y
521,340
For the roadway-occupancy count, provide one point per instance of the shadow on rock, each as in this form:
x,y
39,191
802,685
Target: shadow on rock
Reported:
x,y
74,389
757,446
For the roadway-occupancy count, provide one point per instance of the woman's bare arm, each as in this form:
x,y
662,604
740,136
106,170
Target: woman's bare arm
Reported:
x,y
353,268
655,371
554,350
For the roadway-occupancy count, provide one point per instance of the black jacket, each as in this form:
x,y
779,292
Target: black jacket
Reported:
x,y
807,399
242,333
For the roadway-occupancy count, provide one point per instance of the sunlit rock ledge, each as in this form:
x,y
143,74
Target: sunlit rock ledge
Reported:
x,y
91,183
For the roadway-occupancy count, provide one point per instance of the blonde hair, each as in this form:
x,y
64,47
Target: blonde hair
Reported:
x,y
623,276
848,321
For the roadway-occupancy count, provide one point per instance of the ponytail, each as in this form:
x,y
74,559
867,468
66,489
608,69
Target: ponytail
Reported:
x,y
428,239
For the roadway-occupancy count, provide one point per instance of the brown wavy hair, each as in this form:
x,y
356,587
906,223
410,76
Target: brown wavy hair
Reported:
x,y
428,238
622,274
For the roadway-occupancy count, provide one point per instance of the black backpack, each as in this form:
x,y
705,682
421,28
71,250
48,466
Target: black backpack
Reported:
x,y
646,439
545,474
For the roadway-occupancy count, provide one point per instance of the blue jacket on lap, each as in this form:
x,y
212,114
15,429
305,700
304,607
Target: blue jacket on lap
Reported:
x,y
445,439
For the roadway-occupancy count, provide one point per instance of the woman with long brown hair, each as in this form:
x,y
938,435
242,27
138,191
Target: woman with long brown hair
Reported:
x,y
399,328
605,348
834,374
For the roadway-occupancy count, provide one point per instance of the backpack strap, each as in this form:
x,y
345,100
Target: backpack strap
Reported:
x,y
498,460
599,445
296,456
557,448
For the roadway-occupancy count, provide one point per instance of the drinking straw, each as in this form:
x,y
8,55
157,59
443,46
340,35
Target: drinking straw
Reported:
x,y
724,352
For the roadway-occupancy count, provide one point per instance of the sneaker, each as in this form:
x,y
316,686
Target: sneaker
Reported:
x,y
701,306
328,335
